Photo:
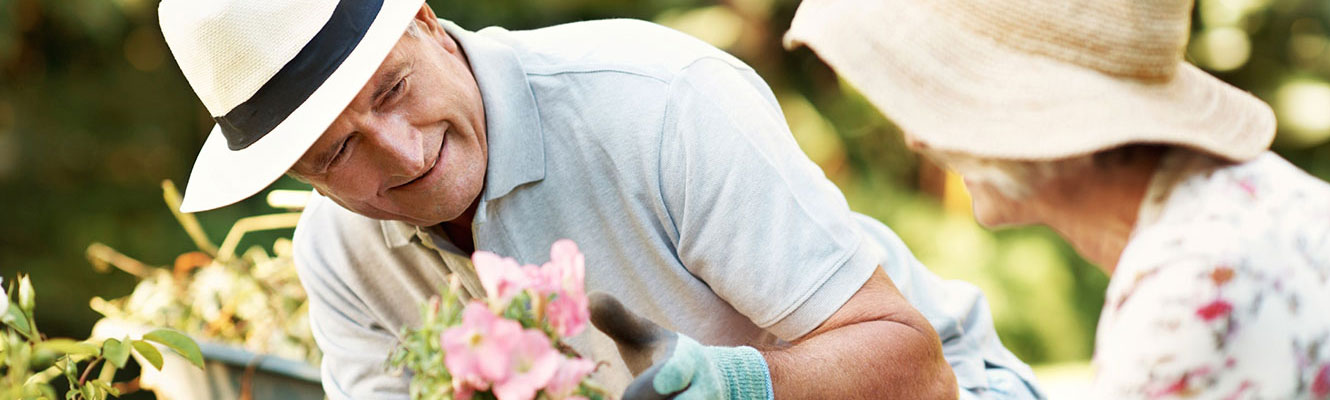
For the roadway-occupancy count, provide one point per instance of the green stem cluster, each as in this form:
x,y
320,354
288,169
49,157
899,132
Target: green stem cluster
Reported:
x,y
29,361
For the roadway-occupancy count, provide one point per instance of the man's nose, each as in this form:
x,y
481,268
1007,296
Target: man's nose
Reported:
x,y
399,151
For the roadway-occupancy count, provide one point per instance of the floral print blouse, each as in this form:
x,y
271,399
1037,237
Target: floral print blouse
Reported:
x,y
1223,291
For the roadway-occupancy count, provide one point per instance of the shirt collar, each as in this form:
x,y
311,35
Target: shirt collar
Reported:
x,y
512,122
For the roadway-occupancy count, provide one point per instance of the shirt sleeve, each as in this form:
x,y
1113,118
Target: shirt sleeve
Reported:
x,y
755,219
355,347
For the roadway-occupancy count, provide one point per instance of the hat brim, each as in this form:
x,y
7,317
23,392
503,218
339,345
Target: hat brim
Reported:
x,y
951,89
222,176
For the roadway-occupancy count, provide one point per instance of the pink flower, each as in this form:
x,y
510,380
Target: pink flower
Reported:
x,y
473,351
571,373
501,277
564,276
568,265
568,313
1215,309
541,281
532,362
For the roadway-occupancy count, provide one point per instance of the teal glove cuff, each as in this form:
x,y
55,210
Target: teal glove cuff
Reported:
x,y
713,372
745,371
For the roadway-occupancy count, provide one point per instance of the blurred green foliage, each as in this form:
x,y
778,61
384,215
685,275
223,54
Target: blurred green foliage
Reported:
x,y
94,114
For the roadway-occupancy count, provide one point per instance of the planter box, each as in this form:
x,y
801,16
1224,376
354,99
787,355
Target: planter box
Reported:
x,y
230,372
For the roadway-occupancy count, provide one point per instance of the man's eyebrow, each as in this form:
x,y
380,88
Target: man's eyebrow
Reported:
x,y
386,81
324,155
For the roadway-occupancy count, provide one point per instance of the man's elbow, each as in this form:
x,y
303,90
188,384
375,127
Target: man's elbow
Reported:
x,y
936,380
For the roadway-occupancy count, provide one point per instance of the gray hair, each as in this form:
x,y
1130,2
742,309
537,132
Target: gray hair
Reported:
x,y
1018,179
413,29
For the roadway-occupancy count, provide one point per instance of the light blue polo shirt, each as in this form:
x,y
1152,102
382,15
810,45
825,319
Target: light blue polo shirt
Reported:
x,y
669,162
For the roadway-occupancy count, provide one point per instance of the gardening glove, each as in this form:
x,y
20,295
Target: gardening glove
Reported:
x,y
668,365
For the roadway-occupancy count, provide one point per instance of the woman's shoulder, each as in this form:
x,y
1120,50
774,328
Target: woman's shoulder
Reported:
x,y
1213,327
1225,293
1263,209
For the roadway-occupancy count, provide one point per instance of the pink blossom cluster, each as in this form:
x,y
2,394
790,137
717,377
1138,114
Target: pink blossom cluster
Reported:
x,y
489,352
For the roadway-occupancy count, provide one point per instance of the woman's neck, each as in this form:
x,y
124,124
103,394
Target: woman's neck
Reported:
x,y
1097,212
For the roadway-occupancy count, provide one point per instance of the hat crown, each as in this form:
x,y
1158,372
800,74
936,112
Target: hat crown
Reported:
x,y
228,49
1140,39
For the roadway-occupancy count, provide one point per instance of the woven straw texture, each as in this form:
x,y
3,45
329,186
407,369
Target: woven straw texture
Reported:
x,y
229,49
1033,79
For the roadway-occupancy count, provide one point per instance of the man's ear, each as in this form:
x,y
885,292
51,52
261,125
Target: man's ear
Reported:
x,y
429,23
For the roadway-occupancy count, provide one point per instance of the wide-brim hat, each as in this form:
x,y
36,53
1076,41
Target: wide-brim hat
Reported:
x,y
274,74
1034,79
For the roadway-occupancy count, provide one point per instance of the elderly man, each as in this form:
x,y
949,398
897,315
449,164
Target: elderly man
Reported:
x,y
666,159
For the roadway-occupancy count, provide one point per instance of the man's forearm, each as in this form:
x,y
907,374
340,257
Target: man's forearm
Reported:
x,y
877,359
887,349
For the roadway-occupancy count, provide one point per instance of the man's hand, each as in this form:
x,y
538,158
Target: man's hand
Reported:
x,y
670,365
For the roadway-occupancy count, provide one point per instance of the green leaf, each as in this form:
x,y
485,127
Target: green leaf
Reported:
x,y
43,359
179,343
68,346
39,390
15,319
106,387
149,352
116,352
89,393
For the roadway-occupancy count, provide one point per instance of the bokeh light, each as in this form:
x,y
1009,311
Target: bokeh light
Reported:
x,y
1221,49
717,25
816,137
1303,108
1228,12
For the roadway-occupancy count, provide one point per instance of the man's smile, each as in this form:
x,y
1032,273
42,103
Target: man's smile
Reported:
x,y
434,168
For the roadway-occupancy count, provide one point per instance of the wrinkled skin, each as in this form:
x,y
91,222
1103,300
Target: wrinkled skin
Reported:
x,y
411,146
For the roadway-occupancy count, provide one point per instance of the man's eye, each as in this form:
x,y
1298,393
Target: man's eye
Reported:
x,y
341,152
397,88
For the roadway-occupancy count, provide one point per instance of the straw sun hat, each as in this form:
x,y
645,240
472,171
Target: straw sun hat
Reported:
x,y
274,74
1034,79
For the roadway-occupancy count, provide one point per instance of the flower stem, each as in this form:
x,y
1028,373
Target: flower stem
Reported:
x,y
84,378
538,304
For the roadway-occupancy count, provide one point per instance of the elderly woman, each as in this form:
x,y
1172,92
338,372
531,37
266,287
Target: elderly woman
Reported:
x,y
1081,115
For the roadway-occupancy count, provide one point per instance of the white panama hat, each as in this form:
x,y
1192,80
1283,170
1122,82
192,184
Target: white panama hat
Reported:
x,y
274,74
1034,79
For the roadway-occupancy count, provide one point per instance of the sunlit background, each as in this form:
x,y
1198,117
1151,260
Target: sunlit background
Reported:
x,y
94,114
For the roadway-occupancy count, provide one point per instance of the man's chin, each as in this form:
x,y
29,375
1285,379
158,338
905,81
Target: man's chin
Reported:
x,y
421,220
429,213
436,218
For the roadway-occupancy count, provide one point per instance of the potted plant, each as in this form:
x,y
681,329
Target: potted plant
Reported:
x,y
246,310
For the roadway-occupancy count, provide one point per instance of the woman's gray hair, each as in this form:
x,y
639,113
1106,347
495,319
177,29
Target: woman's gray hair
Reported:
x,y
1017,179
